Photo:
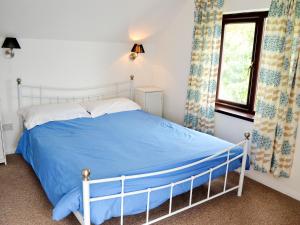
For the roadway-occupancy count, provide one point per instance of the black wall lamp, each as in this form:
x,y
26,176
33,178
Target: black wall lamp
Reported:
x,y
10,44
136,49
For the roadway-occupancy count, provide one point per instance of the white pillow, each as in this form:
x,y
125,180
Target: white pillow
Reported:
x,y
114,105
40,114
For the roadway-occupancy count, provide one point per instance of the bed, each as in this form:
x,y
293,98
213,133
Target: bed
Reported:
x,y
131,162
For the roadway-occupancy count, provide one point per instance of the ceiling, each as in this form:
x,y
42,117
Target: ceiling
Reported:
x,y
87,20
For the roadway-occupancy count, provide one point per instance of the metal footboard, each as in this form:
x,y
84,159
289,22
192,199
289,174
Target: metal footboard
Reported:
x,y
87,200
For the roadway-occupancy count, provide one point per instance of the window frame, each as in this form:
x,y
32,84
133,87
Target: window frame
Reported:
x,y
228,107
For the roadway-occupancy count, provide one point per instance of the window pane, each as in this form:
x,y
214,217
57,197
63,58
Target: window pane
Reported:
x,y
236,60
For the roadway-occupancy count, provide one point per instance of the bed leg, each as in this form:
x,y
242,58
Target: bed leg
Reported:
x,y
86,196
243,167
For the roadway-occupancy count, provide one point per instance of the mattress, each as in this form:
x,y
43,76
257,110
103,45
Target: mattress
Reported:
x,y
111,145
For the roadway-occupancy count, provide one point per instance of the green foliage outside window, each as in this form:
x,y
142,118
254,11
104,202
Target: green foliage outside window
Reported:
x,y
236,60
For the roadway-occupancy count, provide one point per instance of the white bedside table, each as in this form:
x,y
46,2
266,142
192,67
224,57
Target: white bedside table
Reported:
x,y
150,99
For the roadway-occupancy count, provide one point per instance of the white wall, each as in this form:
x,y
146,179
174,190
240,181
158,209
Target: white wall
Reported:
x,y
173,62
235,6
66,64
173,50
167,58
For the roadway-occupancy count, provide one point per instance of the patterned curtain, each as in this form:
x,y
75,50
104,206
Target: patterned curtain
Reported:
x,y
200,105
278,97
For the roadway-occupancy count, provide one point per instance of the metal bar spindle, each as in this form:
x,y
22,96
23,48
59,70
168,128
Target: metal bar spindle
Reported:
x,y
171,198
191,191
243,167
19,82
40,95
131,85
209,183
31,97
86,196
226,174
122,200
19,85
117,90
148,204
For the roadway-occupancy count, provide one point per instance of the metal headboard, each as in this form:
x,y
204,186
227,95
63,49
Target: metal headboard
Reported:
x,y
37,95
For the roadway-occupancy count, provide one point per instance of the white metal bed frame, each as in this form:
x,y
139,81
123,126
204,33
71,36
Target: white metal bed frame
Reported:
x,y
48,95
85,219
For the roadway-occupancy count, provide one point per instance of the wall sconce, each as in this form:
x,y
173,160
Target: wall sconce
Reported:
x,y
136,49
9,44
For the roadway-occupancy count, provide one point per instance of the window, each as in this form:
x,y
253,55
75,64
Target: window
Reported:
x,y
239,62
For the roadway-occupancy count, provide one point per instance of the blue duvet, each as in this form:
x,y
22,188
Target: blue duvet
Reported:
x,y
112,145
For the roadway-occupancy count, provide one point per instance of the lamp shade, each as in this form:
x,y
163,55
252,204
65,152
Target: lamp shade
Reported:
x,y
11,43
138,49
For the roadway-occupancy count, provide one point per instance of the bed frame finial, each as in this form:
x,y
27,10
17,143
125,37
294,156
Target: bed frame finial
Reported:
x,y
85,174
19,81
247,135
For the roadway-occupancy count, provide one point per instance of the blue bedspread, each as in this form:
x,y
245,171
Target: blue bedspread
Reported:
x,y
112,145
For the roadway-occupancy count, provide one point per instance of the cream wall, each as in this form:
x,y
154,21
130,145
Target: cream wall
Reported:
x,y
171,69
66,64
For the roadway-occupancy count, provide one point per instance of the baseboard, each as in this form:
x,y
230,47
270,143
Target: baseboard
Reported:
x,y
278,187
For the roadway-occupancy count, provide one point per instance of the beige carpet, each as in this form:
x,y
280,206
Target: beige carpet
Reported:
x,y
23,202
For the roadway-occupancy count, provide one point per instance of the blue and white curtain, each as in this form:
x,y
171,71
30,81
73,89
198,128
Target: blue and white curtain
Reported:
x,y
200,104
278,96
